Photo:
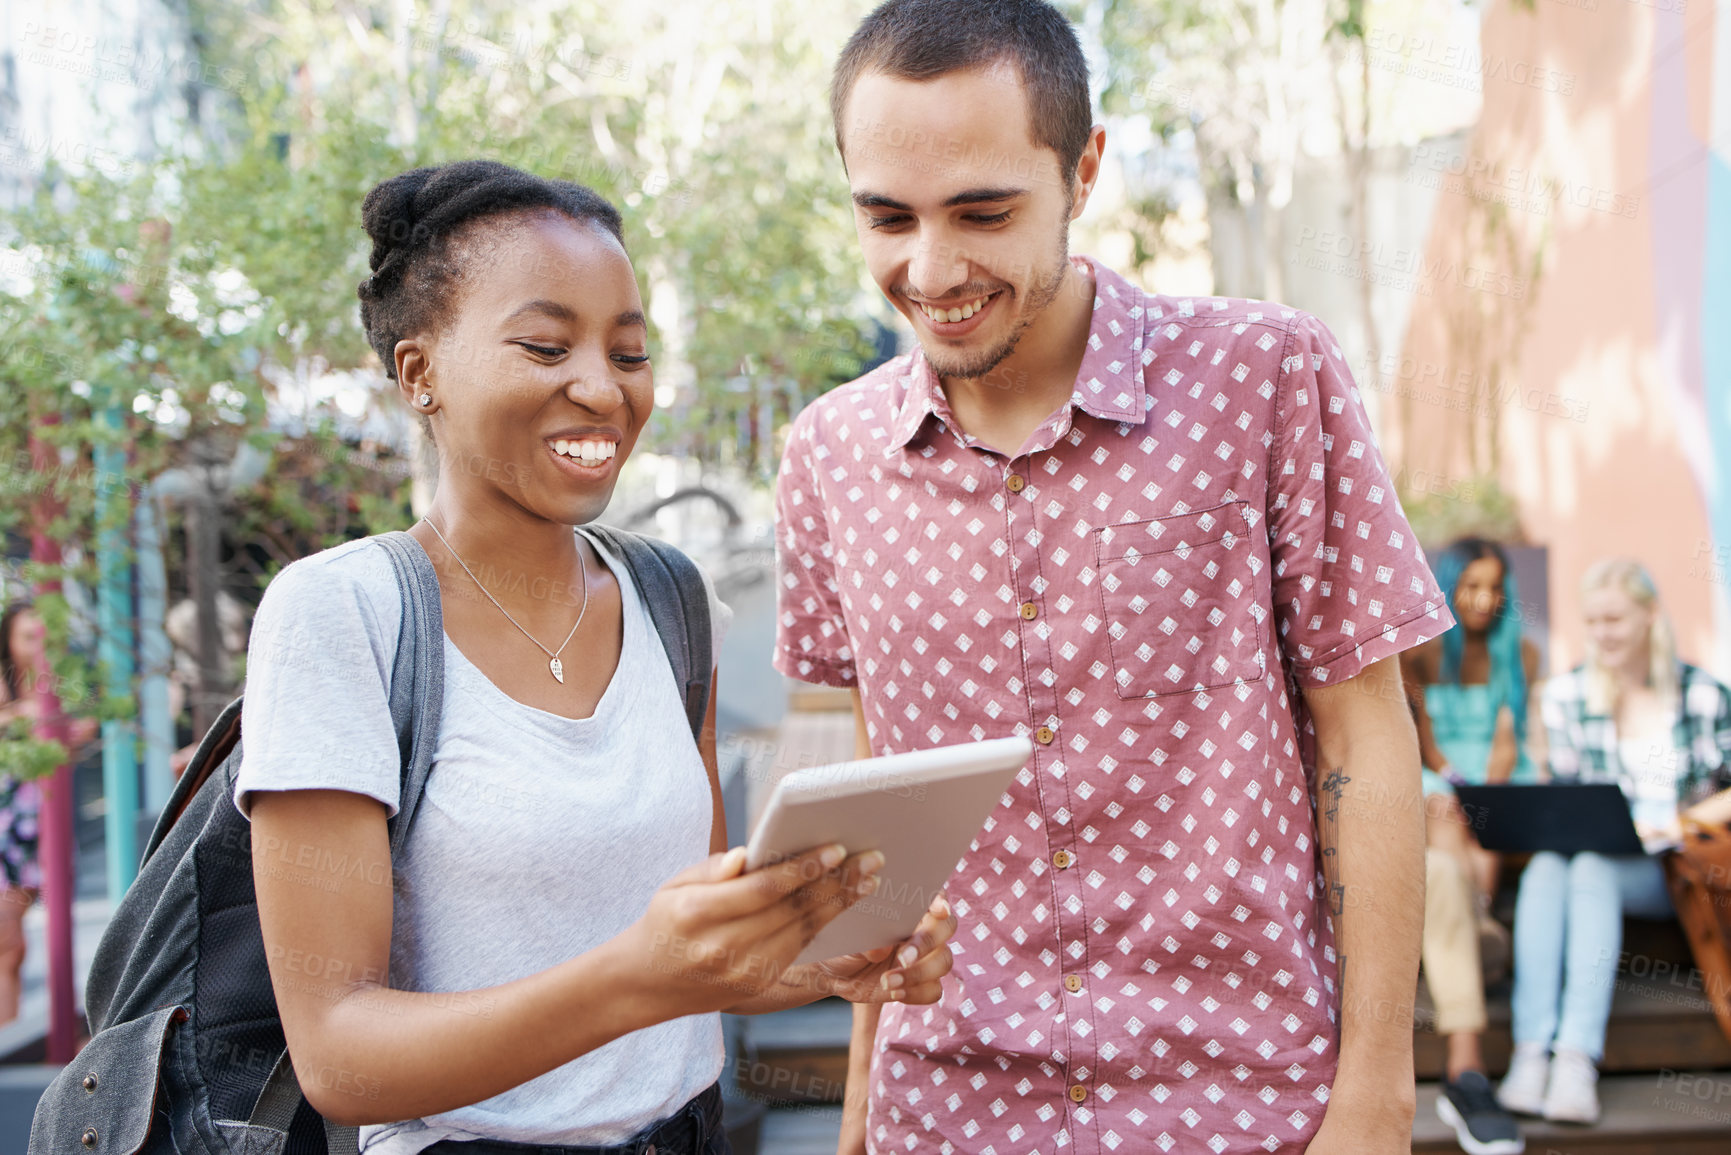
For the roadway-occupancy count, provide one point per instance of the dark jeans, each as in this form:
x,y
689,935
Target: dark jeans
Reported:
x,y
694,1129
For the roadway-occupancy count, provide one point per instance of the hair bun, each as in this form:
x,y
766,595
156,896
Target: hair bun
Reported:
x,y
412,216
389,214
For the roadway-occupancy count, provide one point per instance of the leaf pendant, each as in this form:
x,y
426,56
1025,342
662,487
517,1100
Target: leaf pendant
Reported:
x,y
558,669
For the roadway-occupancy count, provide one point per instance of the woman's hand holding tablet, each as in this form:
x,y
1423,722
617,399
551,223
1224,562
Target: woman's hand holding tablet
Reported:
x,y
716,935
721,934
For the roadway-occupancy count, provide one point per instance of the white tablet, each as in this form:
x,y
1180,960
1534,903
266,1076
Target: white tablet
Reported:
x,y
921,810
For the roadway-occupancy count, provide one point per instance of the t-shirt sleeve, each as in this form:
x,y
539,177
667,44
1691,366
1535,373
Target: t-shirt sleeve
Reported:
x,y
1350,583
811,640
316,713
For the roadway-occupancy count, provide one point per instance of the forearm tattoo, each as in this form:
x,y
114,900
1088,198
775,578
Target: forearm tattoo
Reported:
x,y
1333,787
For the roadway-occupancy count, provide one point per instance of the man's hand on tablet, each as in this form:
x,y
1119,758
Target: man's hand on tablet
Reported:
x,y
911,972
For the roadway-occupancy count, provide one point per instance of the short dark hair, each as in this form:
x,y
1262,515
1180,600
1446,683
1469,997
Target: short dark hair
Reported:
x,y
414,220
925,39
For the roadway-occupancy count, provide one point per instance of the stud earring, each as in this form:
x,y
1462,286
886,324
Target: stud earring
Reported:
x,y
425,400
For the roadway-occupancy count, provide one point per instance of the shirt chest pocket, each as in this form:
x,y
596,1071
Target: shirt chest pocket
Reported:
x,y
1179,598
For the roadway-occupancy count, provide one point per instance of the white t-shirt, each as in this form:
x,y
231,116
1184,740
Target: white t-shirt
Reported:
x,y
1649,780
538,837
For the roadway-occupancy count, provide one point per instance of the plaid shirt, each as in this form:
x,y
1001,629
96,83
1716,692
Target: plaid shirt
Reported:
x,y
1584,744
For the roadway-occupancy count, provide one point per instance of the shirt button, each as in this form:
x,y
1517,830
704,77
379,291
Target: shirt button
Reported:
x,y
1078,1093
1061,859
1015,483
1030,611
1044,735
1072,983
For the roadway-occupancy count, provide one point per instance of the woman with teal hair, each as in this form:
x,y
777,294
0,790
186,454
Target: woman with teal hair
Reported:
x,y
1472,691
1477,678
1471,694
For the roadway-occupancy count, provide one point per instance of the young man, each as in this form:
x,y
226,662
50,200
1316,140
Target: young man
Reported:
x,y
1155,535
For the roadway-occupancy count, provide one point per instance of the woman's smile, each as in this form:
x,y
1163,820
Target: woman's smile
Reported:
x,y
589,454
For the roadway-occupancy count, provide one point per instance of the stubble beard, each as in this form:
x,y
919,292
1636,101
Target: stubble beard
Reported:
x,y
976,365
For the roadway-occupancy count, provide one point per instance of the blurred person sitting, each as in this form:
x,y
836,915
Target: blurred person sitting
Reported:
x,y
23,663
1469,688
1636,715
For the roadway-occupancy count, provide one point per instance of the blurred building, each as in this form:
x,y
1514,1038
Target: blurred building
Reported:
x,y
98,85
1536,294
1575,341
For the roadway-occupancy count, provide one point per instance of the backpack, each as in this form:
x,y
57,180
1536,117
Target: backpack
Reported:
x,y
187,1053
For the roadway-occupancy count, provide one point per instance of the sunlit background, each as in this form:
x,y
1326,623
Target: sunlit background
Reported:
x,y
1515,216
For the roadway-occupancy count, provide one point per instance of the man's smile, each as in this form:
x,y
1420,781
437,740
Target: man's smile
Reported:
x,y
954,320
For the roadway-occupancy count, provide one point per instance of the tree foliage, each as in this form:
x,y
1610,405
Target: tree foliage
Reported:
x,y
170,309
705,122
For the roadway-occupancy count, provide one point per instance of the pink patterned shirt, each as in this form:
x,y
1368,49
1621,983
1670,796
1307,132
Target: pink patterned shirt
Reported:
x,y
1144,960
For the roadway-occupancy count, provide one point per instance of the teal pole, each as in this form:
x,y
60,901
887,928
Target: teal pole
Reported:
x,y
155,655
114,621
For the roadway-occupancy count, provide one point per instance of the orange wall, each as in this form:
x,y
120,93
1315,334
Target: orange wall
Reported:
x,y
1589,384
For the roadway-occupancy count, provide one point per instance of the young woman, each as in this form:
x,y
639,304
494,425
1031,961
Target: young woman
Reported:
x,y
564,925
20,654
23,662
1661,729
1470,690
1477,677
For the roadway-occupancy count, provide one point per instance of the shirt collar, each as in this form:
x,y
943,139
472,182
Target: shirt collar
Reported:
x,y
1109,384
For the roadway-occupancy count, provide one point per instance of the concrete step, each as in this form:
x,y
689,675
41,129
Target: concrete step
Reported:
x,y
1668,1113
799,1056
20,1088
800,1131
1659,1020
1658,1113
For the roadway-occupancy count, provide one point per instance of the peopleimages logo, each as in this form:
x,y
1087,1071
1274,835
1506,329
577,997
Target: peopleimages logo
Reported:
x,y
22,148
1401,268
1519,186
938,152
101,58
1465,389
1424,57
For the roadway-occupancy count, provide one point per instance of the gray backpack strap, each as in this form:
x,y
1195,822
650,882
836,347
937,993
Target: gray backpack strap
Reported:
x,y
673,589
340,1140
417,696
417,676
281,1098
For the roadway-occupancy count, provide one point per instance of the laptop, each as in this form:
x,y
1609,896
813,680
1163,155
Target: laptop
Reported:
x,y
1567,817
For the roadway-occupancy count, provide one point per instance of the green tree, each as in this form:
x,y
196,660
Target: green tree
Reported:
x,y
171,312
705,122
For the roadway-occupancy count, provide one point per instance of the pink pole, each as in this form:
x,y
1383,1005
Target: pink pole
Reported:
x,y
54,821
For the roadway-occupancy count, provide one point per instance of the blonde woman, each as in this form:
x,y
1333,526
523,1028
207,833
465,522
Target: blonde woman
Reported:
x,y
1636,715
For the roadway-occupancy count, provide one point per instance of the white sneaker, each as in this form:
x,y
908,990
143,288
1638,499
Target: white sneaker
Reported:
x,y
1523,1088
1572,1095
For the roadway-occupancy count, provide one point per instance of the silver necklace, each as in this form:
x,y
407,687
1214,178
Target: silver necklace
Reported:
x,y
553,662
